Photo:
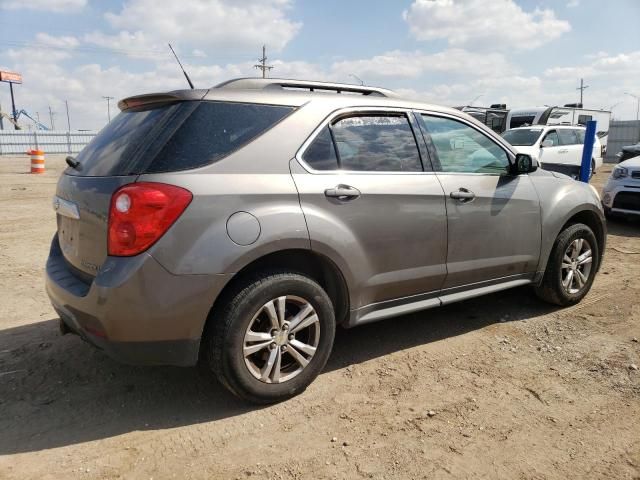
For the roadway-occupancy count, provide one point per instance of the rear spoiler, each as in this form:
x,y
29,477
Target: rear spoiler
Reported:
x,y
158,98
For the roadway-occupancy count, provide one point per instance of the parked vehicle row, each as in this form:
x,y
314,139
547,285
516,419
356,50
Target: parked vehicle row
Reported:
x,y
239,226
558,148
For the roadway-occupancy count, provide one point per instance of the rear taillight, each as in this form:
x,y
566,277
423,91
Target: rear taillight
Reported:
x,y
141,213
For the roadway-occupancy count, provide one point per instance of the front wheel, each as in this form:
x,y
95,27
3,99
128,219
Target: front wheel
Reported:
x,y
272,338
571,268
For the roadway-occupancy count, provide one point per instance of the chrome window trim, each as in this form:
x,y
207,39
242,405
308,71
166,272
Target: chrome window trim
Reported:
x,y
346,111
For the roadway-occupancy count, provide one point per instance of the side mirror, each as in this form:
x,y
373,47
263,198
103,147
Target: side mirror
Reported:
x,y
524,164
547,143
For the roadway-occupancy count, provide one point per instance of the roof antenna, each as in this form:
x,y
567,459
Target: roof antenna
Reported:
x,y
183,71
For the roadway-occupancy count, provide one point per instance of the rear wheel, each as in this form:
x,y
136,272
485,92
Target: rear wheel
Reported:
x,y
272,338
571,268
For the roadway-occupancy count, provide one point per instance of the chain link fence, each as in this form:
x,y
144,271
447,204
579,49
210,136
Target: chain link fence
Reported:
x,y
14,142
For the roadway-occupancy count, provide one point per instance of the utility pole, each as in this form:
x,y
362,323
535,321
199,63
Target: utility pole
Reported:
x,y
51,115
263,63
638,103
108,99
66,104
582,88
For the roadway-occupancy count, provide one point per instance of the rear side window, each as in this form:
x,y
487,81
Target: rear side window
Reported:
x,y
567,136
174,137
383,143
214,130
321,155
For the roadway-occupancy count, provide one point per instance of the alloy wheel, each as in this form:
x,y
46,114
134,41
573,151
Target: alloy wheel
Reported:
x,y
281,339
576,265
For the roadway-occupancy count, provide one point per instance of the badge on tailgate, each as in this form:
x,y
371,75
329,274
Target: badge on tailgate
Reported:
x,y
66,208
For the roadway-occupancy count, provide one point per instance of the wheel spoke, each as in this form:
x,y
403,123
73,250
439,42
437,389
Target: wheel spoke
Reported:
x,y
581,278
275,376
265,373
308,349
566,258
567,282
300,316
252,336
250,350
271,313
305,323
566,265
297,356
577,247
282,302
585,258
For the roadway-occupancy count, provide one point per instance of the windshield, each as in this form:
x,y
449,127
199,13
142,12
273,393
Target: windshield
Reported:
x,y
522,136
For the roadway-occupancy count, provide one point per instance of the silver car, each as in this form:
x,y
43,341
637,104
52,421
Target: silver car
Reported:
x,y
238,226
621,193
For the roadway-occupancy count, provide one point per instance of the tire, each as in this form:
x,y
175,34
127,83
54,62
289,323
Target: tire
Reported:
x,y
551,289
246,309
592,172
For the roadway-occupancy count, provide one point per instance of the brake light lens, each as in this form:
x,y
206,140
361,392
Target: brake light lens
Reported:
x,y
141,213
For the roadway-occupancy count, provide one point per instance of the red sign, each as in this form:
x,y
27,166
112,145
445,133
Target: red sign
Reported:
x,y
10,77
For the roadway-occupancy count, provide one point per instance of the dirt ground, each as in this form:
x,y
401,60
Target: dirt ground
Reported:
x,y
502,386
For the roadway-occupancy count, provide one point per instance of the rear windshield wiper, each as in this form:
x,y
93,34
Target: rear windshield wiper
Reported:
x,y
72,162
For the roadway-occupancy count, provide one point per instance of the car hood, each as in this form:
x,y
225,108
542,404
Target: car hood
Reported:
x,y
632,162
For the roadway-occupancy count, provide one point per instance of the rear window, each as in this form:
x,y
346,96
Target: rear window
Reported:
x,y
174,137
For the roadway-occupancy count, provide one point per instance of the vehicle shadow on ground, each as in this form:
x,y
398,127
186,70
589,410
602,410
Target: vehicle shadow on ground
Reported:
x,y
57,391
624,227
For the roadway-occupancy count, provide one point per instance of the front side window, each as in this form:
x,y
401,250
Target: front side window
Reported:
x,y
553,138
461,148
379,143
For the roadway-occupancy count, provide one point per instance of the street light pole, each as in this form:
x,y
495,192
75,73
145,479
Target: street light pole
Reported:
x,y
638,104
108,99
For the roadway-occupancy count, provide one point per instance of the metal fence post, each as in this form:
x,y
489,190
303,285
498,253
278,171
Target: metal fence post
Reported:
x,y
35,137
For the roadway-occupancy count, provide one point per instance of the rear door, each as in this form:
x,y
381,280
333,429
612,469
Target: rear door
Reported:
x,y
493,216
371,207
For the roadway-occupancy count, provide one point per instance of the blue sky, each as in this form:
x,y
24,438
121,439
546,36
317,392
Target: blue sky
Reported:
x,y
519,52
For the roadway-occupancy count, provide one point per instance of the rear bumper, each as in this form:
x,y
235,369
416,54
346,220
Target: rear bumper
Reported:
x,y
134,310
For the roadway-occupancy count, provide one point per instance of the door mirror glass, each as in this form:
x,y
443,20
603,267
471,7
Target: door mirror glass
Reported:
x,y
547,143
525,164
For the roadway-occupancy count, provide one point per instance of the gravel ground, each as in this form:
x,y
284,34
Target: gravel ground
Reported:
x,y
501,386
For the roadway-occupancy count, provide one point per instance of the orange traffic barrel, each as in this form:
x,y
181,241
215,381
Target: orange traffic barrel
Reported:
x,y
37,161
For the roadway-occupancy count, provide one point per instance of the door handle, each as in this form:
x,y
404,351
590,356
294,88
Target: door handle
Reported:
x,y
463,195
563,151
342,192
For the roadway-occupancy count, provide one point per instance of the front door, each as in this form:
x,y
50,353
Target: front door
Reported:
x,y
493,217
372,208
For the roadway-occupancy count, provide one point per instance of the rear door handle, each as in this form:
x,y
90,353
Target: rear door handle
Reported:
x,y
463,195
342,192
563,151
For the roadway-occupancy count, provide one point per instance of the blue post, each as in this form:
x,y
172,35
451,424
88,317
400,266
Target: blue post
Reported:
x,y
587,151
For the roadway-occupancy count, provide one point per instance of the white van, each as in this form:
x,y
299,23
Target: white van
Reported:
x,y
557,148
567,115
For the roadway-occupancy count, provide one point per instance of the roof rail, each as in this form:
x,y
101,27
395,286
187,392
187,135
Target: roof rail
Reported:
x,y
284,84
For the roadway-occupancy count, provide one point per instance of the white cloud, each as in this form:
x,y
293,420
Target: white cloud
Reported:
x,y
479,24
46,5
206,24
413,64
59,42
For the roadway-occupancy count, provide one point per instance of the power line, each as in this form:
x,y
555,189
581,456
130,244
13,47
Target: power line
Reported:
x,y
263,63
